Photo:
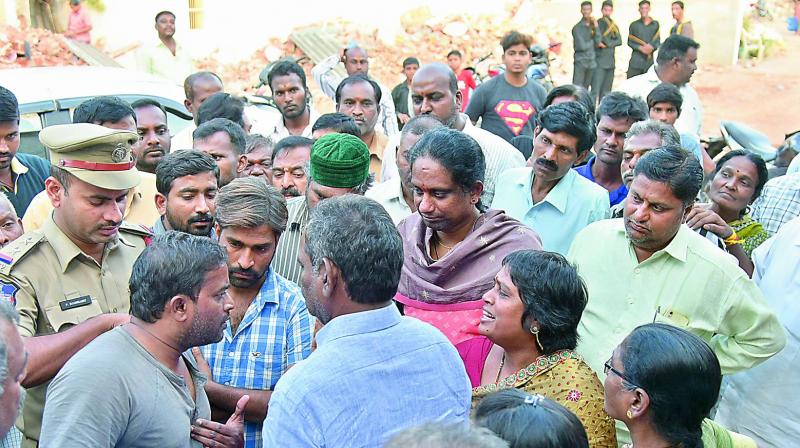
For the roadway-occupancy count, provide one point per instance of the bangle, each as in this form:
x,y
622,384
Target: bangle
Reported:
x,y
733,239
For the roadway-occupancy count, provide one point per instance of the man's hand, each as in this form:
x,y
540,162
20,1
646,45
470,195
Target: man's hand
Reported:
x,y
601,45
403,118
202,364
701,216
216,435
646,49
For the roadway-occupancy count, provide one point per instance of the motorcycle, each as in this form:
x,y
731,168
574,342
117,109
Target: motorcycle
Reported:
x,y
736,135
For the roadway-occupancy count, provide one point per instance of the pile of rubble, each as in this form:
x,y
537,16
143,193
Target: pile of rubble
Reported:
x,y
33,47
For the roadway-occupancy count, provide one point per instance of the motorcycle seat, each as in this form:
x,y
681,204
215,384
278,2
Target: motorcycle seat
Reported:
x,y
741,136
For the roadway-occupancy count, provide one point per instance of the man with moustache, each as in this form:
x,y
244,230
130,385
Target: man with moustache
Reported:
x,y
434,91
551,197
290,158
642,137
224,141
615,116
360,97
166,57
154,140
396,195
287,80
13,361
197,87
187,189
69,279
270,329
10,224
137,385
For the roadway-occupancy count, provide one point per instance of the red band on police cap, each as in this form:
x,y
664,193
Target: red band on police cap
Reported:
x,y
93,166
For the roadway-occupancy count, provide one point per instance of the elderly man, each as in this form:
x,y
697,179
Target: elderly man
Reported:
x,y
10,224
258,152
135,385
352,255
154,141
224,141
339,165
13,361
355,60
197,87
287,80
114,113
675,64
21,175
551,197
270,329
76,267
434,91
615,116
396,195
359,97
290,165
187,189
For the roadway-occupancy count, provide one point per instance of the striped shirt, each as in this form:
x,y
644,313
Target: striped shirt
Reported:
x,y
285,261
274,334
498,154
779,202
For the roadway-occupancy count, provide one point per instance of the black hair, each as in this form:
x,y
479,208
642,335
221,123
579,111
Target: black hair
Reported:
x,y
188,83
175,263
586,2
457,152
235,132
674,166
607,3
180,164
146,102
102,109
579,93
675,47
761,169
681,375
161,13
354,79
338,122
619,105
572,119
9,107
679,3
644,2
410,61
515,38
285,68
290,142
530,421
222,105
665,93
455,53
553,294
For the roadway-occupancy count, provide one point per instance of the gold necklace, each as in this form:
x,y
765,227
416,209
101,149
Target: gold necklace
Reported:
x,y
499,371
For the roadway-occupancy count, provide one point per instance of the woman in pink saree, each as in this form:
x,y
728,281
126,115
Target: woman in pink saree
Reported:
x,y
453,247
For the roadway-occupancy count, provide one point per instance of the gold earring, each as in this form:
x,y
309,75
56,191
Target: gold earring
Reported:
x,y
629,414
535,333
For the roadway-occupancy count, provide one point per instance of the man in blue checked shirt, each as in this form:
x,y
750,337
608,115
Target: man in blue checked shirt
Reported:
x,y
269,328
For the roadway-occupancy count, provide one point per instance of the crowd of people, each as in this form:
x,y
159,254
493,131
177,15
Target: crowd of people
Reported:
x,y
530,269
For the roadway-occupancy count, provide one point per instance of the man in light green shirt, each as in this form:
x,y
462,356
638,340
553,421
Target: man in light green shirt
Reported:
x,y
648,267
166,58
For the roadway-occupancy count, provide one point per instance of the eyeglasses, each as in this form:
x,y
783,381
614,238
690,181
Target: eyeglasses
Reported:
x,y
608,367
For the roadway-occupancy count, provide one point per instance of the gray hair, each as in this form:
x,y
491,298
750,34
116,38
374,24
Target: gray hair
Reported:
x,y
441,435
362,188
668,135
249,202
4,200
253,141
421,124
358,235
9,316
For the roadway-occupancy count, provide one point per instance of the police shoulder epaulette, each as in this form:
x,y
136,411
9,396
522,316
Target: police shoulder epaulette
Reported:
x,y
136,229
17,249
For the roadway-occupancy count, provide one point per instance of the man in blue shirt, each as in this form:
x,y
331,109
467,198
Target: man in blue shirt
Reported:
x,y
374,372
270,328
22,176
550,197
615,115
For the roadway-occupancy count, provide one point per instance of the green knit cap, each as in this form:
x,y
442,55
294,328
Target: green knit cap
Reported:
x,y
339,161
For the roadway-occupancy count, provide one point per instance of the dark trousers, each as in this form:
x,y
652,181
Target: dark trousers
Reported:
x,y
582,76
602,79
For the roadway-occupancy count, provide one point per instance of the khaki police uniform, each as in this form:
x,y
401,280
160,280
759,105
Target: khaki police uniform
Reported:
x,y
52,282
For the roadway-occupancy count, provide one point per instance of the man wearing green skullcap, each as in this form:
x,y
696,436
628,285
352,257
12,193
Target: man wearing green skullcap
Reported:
x,y
339,165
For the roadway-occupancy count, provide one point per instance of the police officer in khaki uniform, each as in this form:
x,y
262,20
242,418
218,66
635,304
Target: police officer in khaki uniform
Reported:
x,y
69,280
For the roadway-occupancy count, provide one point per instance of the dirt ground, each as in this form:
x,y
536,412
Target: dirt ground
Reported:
x,y
764,95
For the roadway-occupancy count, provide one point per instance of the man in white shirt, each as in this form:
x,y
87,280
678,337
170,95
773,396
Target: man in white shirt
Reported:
x,y
675,64
355,60
772,388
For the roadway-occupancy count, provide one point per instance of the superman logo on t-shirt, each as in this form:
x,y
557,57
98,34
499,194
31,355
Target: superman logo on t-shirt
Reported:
x,y
515,114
